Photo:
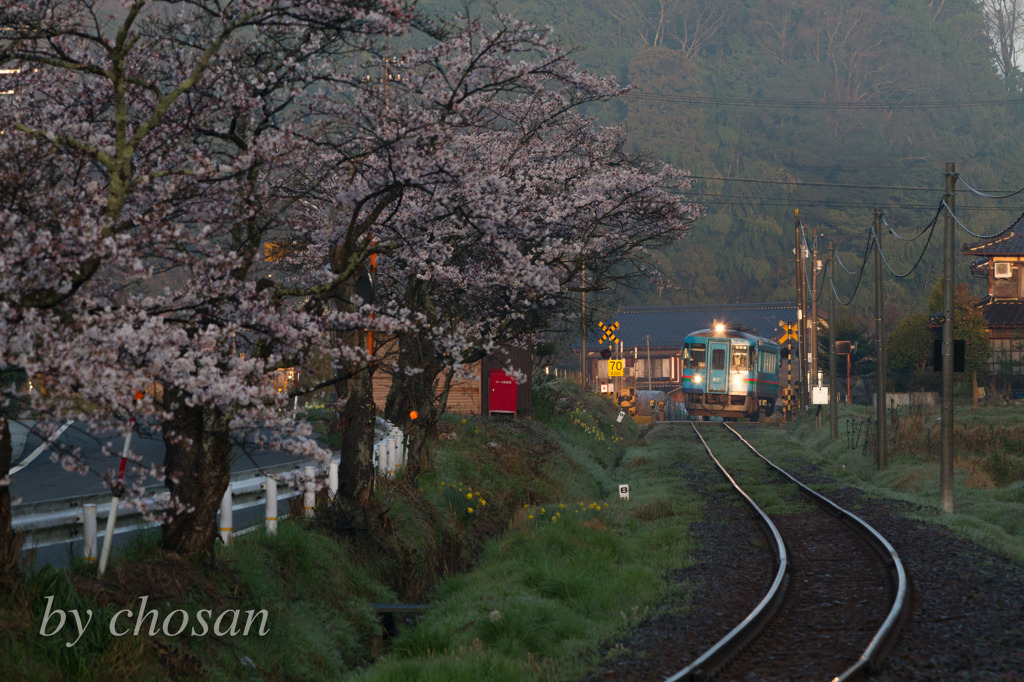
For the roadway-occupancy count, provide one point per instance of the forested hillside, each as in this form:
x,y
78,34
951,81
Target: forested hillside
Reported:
x,y
828,107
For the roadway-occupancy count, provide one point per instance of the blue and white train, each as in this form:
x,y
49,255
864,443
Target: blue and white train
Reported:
x,y
731,373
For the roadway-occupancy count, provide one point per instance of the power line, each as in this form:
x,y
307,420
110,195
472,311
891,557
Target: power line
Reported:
x,y
811,104
985,195
799,183
881,252
719,199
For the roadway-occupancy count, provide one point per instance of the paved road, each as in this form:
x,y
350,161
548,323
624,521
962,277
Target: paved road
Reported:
x,y
37,479
40,479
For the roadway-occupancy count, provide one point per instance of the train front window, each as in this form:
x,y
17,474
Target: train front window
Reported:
x,y
694,356
740,356
717,358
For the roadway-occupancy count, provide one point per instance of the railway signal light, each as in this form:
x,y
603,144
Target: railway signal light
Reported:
x,y
605,354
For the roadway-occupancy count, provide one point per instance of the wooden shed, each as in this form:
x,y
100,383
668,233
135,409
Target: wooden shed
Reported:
x,y
472,395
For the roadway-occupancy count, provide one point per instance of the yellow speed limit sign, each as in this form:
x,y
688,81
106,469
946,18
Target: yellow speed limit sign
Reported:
x,y
615,367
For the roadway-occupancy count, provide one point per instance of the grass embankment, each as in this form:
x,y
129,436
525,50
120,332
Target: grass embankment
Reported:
x,y
559,564
988,480
517,540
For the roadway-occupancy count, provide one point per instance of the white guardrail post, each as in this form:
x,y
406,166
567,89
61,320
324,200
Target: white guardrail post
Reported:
x,y
225,517
270,515
309,496
332,480
89,532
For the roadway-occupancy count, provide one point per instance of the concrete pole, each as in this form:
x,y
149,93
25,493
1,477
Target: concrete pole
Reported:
x,y
89,532
270,515
332,479
812,324
309,496
583,331
949,284
650,373
225,517
108,536
880,455
833,409
801,325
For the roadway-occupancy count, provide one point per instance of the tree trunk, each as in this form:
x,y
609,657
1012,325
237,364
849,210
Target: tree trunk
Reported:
x,y
198,461
357,416
417,392
9,547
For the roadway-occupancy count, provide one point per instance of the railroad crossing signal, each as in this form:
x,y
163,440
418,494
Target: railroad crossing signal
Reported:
x,y
609,332
790,332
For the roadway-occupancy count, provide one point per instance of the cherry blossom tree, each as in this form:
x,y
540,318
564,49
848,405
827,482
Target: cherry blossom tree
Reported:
x,y
152,150
159,126
532,193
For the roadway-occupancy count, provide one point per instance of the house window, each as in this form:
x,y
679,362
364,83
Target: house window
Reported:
x,y
1007,357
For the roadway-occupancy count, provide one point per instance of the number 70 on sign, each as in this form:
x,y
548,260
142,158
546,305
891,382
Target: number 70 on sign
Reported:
x,y
615,367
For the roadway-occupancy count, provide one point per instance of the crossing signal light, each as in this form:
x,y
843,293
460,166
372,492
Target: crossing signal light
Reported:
x,y
606,354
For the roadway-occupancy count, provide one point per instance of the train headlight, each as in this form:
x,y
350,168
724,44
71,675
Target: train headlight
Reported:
x,y
739,383
697,378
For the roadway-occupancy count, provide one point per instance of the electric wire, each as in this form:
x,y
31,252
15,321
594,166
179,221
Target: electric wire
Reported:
x,y
839,298
860,274
798,183
719,199
974,234
927,227
810,104
920,257
807,280
979,193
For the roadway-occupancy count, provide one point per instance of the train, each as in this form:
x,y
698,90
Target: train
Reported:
x,y
730,372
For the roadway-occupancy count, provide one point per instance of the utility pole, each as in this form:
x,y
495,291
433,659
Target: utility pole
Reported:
x,y
583,330
650,372
812,325
833,410
801,328
946,455
880,350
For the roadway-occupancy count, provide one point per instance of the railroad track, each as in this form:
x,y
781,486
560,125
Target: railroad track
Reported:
x,y
837,593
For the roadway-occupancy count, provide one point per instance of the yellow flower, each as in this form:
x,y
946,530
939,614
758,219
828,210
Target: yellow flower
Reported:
x,y
561,506
542,510
483,502
469,509
530,517
469,496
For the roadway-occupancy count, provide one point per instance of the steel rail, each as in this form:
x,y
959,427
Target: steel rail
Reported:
x,y
724,649
875,648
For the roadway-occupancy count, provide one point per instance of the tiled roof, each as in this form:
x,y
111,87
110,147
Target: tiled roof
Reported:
x,y
669,325
1003,313
1009,243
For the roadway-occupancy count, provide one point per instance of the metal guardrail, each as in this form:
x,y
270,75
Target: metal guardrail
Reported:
x,y
56,522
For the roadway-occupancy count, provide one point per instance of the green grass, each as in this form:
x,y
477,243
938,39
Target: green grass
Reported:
x,y
988,481
572,573
518,539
